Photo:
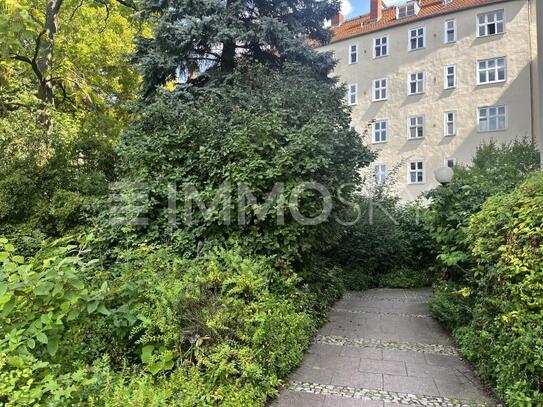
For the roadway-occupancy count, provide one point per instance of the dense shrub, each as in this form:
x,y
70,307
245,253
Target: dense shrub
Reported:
x,y
258,128
495,169
504,294
388,245
223,329
45,304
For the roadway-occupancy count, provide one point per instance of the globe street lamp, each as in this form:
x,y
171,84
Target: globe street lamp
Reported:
x,y
444,175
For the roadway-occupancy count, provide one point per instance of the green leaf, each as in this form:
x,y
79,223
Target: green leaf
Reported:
x,y
18,259
41,337
147,353
52,346
103,310
31,343
92,306
155,368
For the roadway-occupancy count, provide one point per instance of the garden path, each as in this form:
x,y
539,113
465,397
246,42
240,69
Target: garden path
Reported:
x,y
381,348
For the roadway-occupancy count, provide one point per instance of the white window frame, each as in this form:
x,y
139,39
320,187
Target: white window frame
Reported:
x,y
478,25
350,93
417,126
380,173
407,7
374,132
409,38
351,53
446,32
446,77
417,170
446,123
423,90
496,70
488,117
446,162
387,45
374,90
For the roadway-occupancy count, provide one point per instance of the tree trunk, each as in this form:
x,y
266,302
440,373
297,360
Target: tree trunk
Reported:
x,y
45,61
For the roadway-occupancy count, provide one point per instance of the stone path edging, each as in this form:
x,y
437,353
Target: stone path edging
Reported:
x,y
392,345
381,395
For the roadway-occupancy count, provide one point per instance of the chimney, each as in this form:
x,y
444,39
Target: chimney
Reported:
x,y
337,20
376,10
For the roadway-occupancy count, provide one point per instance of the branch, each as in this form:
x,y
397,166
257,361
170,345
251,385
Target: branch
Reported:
x,y
128,4
75,10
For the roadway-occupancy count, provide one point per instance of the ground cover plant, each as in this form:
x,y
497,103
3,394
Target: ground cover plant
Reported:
x,y
491,301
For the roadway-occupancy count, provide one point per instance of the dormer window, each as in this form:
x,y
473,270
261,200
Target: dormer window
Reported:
x,y
407,10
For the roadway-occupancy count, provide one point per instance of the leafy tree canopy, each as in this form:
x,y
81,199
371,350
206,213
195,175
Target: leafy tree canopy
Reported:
x,y
194,36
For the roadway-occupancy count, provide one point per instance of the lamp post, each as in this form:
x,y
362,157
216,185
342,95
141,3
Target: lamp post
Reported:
x,y
444,175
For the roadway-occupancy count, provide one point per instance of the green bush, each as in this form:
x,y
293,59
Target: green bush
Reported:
x,y
407,278
45,303
497,317
258,128
386,245
495,169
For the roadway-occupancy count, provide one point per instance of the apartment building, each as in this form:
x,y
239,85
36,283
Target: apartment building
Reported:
x,y
430,80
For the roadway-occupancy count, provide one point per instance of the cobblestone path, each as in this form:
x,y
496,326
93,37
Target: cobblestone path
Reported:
x,y
381,348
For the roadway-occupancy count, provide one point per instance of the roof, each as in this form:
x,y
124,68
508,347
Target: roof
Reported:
x,y
428,8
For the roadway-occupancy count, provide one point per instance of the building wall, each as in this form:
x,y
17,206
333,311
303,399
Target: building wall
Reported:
x,y
515,93
536,29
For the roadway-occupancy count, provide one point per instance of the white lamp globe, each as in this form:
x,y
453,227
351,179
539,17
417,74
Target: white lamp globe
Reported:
x,y
444,175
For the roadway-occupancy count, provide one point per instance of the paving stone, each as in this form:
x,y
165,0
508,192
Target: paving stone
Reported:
x,y
459,386
406,356
416,385
323,349
361,353
334,401
358,380
289,398
451,361
390,367
419,369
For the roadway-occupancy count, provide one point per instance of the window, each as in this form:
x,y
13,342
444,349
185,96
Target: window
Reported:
x,y
449,162
380,89
407,10
380,47
380,131
491,71
450,76
417,38
353,54
450,123
450,31
490,23
380,171
416,172
492,118
352,94
416,83
416,127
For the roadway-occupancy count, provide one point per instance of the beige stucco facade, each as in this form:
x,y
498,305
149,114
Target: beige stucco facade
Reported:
x,y
520,92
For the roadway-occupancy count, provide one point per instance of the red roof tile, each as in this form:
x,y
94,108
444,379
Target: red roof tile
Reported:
x,y
428,8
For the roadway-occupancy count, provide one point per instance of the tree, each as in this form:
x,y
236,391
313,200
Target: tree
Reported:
x,y
66,54
65,96
192,37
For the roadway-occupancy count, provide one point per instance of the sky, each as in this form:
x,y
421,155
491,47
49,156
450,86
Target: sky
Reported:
x,y
355,8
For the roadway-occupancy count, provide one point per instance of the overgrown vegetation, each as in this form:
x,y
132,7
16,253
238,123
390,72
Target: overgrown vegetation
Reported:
x,y
388,246
214,306
490,237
